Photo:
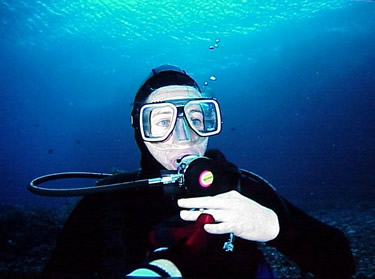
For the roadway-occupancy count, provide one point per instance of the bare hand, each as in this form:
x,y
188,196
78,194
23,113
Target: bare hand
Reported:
x,y
234,213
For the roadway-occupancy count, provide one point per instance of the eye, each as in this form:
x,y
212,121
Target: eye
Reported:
x,y
197,122
163,123
196,118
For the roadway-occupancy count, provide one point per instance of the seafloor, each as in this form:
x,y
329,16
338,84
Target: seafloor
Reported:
x,y
27,237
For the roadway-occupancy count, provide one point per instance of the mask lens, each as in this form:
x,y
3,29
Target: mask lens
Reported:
x,y
157,121
203,117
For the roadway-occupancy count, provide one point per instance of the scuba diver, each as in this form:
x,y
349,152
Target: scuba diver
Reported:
x,y
209,229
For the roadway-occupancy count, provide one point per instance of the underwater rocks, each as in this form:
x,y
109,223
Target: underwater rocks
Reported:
x,y
27,237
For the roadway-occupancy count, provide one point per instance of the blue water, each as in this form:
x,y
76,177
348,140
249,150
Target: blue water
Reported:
x,y
295,79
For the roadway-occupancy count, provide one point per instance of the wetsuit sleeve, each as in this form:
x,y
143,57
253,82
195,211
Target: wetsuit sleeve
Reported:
x,y
77,248
316,247
91,241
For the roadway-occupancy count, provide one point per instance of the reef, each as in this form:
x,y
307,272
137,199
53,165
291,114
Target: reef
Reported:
x,y
27,237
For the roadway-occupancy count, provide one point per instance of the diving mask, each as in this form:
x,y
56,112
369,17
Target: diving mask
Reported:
x,y
158,120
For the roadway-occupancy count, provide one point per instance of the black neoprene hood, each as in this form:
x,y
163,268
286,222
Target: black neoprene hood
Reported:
x,y
161,76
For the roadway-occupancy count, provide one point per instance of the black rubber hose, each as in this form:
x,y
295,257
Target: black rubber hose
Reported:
x,y
56,192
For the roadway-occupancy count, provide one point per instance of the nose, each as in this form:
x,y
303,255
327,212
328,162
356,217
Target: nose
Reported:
x,y
182,130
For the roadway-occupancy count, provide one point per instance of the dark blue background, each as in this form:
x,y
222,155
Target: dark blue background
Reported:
x,y
295,80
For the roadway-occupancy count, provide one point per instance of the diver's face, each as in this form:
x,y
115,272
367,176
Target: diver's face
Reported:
x,y
183,140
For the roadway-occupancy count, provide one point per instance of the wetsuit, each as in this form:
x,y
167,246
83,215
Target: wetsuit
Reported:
x,y
109,235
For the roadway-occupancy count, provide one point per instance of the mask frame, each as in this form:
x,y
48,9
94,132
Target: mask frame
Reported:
x,y
177,110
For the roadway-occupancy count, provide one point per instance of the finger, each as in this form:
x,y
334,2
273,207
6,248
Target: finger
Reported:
x,y
202,202
220,228
228,195
218,215
189,215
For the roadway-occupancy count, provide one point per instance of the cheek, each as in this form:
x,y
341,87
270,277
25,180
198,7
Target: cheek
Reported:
x,y
160,155
203,147
157,153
